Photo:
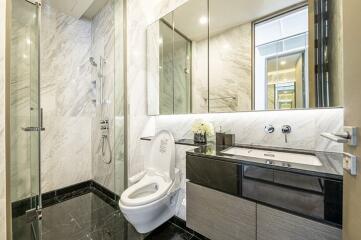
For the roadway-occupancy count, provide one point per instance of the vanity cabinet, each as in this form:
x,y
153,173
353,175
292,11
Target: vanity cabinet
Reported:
x,y
273,224
231,199
220,216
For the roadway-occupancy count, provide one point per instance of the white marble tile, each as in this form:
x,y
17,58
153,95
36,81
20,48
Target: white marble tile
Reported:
x,y
66,151
66,96
141,13
65,69
249,127
103,40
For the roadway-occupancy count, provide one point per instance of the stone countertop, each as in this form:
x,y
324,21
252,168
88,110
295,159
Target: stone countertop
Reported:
x,y
331,162
188,142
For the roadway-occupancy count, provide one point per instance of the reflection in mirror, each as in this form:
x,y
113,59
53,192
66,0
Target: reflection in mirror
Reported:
x,y
191,23
281,61
263,55
230,52
177,44
166,87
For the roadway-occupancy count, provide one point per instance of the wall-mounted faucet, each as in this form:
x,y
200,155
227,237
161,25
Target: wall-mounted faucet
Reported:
x,y
286,129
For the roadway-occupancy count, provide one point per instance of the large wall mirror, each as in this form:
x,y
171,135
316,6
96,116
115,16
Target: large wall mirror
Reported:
x,y
245,55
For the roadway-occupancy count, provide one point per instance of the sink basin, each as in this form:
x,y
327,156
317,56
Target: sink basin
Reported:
x,y
299,158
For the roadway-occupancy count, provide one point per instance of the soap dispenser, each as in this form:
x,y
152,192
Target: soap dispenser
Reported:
x,y
220,137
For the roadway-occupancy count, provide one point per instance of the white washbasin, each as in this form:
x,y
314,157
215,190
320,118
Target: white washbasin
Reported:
x,y
299,158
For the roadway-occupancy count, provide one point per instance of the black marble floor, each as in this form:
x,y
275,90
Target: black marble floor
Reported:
x,y
89,217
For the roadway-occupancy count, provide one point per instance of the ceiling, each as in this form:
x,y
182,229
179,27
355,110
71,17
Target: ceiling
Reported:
x,y
78,8
283,63
224,14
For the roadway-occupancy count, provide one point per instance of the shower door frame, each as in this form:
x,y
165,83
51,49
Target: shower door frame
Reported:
x,y
39,128
34,213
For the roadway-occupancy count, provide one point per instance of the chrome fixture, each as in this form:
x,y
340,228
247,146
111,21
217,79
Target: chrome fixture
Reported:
x,y
104,127
101,79
100,75
286,129
269,128
36,129
348,136
92,62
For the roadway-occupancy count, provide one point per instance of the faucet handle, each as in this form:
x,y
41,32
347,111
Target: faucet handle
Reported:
x,y
286,129
269,128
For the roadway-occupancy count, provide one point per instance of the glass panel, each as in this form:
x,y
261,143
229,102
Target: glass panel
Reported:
x,y
230,62
182,73
191,57
25,137
166,83
176,44
119,163
281,62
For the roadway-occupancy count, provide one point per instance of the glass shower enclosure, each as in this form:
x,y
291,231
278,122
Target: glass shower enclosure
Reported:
x,y
26,117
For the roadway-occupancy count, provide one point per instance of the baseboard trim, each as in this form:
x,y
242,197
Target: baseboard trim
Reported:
x,y
60,195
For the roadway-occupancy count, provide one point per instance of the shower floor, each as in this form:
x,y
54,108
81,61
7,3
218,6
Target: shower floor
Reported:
x,y
89,217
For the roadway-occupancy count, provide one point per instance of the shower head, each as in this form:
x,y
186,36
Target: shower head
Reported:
x,y
92,62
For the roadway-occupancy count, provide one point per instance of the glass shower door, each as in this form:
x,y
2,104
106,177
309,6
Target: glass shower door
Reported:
x,y
26,120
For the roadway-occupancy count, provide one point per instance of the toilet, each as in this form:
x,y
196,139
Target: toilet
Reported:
x,y
153,197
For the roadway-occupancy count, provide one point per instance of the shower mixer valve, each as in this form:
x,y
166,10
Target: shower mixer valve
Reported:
x,y
104,124
104,127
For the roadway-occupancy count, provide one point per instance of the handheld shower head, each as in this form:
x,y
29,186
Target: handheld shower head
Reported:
x,y
92,62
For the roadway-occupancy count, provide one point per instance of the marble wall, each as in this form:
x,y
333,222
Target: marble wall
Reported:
x,y
103,35
230,71
141,13
66,91
307,125
2,122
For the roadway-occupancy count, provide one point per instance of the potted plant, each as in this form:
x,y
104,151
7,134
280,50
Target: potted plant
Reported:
x,y
202,130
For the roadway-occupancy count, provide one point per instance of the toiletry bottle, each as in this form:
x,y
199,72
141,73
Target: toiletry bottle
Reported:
x,y
220,137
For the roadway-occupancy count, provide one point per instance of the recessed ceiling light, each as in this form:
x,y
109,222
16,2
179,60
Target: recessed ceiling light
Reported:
x,y
203,20
283,63
160,41
28,41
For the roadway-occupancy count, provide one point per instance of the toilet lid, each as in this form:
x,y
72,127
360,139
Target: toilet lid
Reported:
x,y
149,189
162,155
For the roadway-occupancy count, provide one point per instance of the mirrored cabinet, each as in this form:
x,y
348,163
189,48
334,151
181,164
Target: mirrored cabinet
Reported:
x,y
216,56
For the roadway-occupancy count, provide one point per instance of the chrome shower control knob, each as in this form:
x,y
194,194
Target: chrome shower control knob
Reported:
x,y
269,129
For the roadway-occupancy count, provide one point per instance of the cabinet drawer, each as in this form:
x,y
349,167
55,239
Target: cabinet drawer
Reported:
x,y
219,175
220,216
273,224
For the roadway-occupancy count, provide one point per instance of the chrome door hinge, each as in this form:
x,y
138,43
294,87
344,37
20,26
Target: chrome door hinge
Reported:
x,y
350,163
33,215
33,129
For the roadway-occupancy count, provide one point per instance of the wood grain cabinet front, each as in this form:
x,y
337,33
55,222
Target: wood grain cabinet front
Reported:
x,y
220,216
273,224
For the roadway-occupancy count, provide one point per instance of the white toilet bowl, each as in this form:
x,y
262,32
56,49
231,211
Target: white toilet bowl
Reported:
x,y
153,199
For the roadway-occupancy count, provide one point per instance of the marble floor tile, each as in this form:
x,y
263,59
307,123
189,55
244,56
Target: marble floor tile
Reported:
x,y
89,217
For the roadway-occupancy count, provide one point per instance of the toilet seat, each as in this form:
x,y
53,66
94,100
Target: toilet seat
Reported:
x,y
149,189
153,199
